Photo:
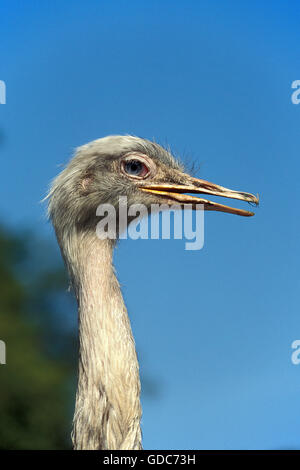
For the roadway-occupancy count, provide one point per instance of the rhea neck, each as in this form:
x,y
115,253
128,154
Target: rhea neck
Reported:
x,y
107,411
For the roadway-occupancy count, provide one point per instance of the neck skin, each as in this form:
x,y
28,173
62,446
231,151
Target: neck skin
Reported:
x,y
107,411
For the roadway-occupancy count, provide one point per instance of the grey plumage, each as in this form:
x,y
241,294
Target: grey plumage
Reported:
x,y
108,412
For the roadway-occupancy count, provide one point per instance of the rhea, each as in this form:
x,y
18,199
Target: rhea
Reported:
x,y
107,410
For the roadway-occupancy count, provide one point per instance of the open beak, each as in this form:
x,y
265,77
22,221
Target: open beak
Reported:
x,y
177,193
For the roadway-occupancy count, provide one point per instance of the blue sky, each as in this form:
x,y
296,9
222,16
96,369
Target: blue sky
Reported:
x,y
213,80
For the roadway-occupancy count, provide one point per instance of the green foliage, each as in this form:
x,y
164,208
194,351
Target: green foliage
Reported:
x,y
35,383
38,325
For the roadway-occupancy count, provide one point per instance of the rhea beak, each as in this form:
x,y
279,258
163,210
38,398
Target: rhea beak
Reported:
x,y
176,193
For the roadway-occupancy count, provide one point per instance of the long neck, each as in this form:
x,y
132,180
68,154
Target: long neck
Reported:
x,y
107,411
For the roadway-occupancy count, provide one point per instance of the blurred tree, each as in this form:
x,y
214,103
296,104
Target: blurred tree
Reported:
x,y
39,326
35,411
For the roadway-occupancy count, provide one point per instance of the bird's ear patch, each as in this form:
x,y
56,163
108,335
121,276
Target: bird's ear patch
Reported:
x,y
85,183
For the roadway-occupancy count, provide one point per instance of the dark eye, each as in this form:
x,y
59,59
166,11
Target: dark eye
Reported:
x,y
135,168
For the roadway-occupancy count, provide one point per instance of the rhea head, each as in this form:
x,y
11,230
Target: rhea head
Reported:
x,y
143,171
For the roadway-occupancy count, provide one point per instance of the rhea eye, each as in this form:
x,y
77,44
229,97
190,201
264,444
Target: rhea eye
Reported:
x,y
135,168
